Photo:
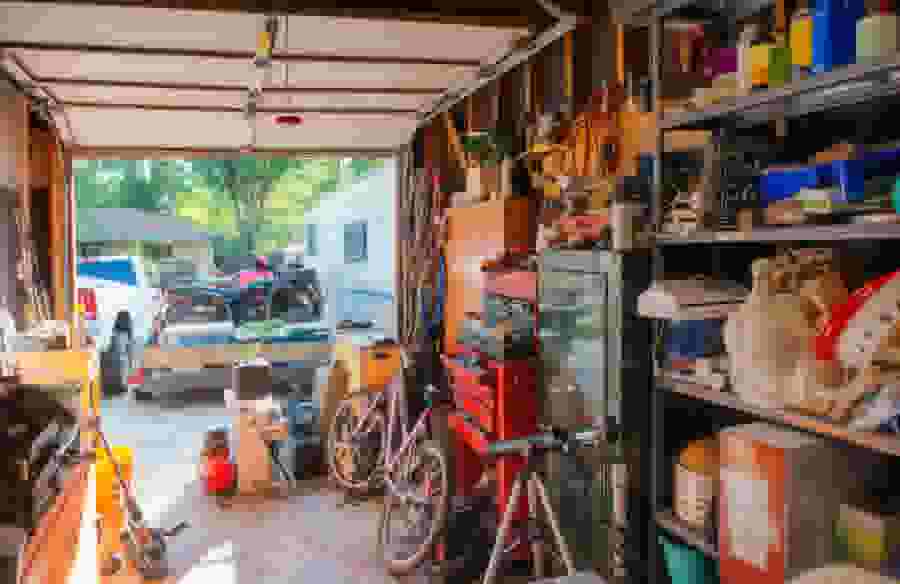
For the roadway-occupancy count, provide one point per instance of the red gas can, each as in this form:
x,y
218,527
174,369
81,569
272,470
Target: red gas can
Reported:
x,y
220,474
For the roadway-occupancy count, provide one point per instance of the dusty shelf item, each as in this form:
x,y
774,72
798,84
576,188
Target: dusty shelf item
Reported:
x,y
691,299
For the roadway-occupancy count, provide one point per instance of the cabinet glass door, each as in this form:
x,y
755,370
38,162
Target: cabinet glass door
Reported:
x,y
573,328
573,346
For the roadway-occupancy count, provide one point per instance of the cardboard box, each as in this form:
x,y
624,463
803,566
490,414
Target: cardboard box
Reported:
x,y
866,536
779,493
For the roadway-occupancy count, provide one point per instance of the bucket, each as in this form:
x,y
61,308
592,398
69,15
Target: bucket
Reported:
x,y
107,484
687,565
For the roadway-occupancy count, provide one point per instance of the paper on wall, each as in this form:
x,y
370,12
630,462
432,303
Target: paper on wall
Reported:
x,y
750,532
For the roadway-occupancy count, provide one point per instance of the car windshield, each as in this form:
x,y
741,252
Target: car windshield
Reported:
x,y
197,308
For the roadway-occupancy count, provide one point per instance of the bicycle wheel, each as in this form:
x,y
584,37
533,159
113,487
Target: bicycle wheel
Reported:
x,y
414,511
355,459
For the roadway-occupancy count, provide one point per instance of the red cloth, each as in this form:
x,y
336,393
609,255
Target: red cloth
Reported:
x,y
246,277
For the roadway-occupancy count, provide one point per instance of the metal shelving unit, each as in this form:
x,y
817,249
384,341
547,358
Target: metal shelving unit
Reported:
x,y
840,88
856,231
852,85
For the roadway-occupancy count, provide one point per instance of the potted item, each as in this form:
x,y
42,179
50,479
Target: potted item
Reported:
x,y
490,163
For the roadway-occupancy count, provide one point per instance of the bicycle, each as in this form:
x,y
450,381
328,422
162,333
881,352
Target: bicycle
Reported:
x,y
533,448
412,469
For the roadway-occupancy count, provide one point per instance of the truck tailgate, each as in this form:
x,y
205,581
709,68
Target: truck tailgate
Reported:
x,y
224,355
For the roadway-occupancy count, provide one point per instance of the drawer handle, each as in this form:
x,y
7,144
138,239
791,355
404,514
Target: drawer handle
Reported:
x,y
381,356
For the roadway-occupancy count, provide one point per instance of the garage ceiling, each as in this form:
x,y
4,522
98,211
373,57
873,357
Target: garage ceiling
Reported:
x,y
136,77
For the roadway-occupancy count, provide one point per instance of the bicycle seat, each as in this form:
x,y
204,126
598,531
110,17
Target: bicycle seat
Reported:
x,y
554,439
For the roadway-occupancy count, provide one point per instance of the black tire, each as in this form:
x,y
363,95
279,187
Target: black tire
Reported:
x,y
429,453
115,364
372,459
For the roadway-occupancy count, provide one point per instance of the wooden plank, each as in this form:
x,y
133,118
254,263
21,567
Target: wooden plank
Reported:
x,y
226,355
456,146
23,161
58,243
883,443
50,553
53,367
41,145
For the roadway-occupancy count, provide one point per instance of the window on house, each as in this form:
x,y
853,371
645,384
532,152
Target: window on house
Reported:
x,y
355,244
91,250
312,240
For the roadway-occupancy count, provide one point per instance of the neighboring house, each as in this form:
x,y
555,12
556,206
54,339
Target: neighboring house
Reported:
x,y
153,236
349,239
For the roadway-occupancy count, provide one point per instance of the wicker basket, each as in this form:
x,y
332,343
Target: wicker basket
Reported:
x,y
694,497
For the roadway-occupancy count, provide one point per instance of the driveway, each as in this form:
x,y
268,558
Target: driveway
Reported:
x,y
310,537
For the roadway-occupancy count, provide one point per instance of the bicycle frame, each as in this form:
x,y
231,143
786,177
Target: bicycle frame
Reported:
x,y
396,413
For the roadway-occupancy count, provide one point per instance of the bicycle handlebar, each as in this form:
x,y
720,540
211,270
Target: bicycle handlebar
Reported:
x,y
554,439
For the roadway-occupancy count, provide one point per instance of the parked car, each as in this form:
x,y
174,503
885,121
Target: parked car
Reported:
x,y
173,272
202,317
120,306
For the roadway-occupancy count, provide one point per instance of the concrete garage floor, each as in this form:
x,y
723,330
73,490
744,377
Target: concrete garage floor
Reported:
x,y
310,537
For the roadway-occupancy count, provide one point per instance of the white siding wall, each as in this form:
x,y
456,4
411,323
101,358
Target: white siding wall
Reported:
x,y
370,282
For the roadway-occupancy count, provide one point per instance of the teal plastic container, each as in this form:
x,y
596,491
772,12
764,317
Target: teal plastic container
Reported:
x,y
687,565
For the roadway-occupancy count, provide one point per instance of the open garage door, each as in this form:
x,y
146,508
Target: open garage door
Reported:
x,y
130,80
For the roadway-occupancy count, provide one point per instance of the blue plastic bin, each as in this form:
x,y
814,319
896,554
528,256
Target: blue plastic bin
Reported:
x,y
693,339
777,185
834,33
848,175
687,565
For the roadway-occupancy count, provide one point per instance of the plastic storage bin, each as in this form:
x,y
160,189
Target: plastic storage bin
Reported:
x,y
687,565
693,339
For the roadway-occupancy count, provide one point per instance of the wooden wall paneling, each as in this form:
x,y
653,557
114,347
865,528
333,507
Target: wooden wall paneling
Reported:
x,y
23,157
482,107
636,53
621,73
552,78
58,232
568,73
537,83
71,233
9,134
23,179
41,144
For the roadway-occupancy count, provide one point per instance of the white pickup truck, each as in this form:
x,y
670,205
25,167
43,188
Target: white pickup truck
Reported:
x,y
120,304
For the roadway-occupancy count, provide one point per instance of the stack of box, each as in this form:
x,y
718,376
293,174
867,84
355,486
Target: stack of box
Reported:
x,y
779,496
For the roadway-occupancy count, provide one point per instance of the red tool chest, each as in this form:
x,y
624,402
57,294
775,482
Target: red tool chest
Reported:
x,y
496,400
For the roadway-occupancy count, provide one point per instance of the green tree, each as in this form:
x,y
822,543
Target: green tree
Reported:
x,y
151,185
246,182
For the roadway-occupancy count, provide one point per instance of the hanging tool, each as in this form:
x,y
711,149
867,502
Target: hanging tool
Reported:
x,y
145,547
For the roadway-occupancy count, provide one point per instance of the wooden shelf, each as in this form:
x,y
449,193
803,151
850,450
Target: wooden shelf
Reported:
x,y
667,520
883,443
845,232
857,83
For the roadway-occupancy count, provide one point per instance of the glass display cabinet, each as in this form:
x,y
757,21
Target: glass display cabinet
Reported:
x,y
597,370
